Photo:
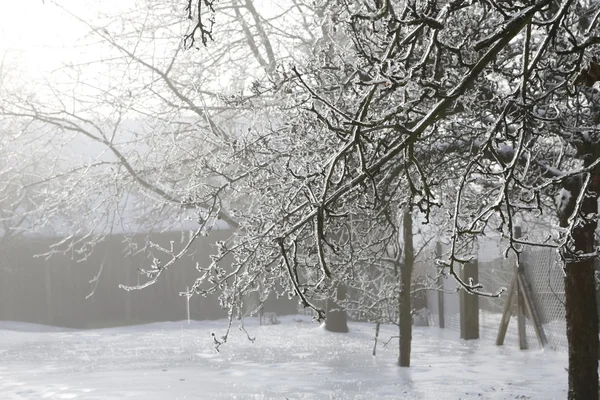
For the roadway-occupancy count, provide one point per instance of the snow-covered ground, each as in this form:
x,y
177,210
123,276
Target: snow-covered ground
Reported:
x,y
294,360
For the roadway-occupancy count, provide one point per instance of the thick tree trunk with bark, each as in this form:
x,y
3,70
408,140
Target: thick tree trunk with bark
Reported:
x,y
580,293
405,306
582,330
336,319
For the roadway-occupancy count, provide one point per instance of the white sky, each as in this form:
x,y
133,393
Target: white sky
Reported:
x,y
37,34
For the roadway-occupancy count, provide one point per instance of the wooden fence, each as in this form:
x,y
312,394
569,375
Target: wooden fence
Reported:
x,y
56,291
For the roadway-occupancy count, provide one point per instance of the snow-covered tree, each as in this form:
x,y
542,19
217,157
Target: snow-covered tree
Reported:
x,y
473,107
475,113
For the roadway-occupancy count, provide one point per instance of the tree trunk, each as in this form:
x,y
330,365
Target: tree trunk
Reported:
x,y
582,330
582,319
405,307
336,319
581,308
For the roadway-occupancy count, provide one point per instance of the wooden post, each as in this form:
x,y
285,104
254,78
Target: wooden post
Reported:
x,y
521,319
404,306
48,290
440,283
469,304
520,302
525,291
127,268
376,337
507,310
187,298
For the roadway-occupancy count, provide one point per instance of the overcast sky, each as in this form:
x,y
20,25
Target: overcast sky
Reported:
x,y
38,35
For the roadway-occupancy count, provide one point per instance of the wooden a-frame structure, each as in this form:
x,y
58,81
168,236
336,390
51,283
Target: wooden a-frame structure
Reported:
x,y
520,289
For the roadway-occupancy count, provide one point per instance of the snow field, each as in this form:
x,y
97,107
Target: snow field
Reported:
x,y
294,360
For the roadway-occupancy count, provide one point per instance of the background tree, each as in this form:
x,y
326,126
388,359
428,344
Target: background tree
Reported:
x,y
143,127
140,121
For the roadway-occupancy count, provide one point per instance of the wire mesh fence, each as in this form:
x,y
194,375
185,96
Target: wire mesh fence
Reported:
x,y
543,272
